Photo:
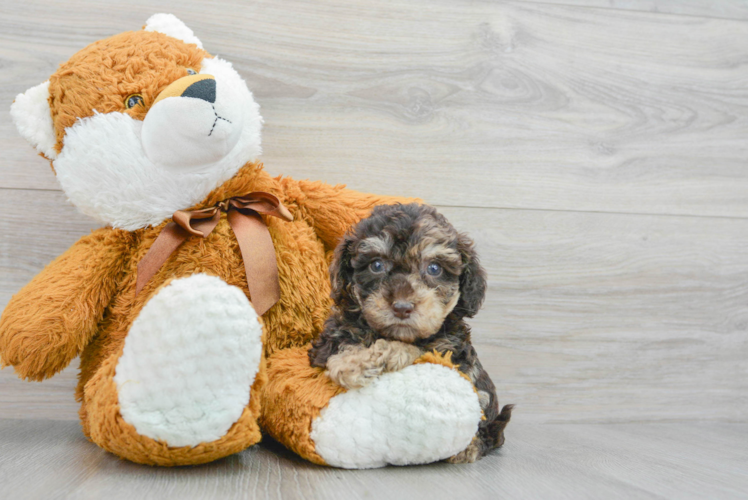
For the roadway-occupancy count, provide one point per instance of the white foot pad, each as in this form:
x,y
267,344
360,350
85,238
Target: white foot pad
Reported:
x,y
189,361
421,414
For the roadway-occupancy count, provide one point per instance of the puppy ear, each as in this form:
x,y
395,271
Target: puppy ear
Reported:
x,y
170,25
472,280
341,272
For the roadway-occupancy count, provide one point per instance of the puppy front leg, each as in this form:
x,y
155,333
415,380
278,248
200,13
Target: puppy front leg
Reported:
x,y
356,366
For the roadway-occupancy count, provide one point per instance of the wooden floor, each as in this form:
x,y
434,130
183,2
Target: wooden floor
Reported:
x,y
597,151
46,459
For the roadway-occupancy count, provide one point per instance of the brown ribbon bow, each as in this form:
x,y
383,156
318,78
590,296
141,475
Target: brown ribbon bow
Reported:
x,y
251,233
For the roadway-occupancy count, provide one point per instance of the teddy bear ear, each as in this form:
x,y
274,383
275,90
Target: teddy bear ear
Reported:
x,y
32,117
168,24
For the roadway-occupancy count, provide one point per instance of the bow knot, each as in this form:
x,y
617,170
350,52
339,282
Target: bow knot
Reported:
x,y
255,244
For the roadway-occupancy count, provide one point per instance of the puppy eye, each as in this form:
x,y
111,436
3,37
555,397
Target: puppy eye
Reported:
x,y
133,100
434,269
377,266
191,71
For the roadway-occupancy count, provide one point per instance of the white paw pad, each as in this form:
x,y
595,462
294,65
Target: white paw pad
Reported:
x,y
189,361
420,414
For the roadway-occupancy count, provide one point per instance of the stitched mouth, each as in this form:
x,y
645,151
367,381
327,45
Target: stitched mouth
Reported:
x,y
216,121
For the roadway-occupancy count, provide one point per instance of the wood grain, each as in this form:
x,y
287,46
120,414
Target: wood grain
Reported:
x,y
528,105
547,461
53,399
589,316
607,317
36,227
726,9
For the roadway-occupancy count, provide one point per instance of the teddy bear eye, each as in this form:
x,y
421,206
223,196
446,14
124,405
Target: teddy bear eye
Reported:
x,y
133,100
191,71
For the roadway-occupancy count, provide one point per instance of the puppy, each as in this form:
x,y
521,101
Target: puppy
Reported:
x,y
403,281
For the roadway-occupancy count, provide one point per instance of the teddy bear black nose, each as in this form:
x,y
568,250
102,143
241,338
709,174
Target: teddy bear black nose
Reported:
x,y
204,89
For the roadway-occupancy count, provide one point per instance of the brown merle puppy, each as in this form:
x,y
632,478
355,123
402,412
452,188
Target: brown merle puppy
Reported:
x,y
403,281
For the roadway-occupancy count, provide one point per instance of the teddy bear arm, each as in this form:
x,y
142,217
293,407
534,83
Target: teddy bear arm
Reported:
x,y
333,209
49,322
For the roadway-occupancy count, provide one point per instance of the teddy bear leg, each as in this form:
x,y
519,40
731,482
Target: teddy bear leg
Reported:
x,y
423,413
185,388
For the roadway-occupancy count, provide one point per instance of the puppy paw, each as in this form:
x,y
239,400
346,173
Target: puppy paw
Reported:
x,y
357,366
352,367
393,355
467,456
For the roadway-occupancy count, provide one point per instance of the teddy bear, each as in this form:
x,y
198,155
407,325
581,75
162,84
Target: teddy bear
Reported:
x,y
192,309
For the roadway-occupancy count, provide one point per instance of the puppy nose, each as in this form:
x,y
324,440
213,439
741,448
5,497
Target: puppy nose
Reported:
x,y
402,309
204,89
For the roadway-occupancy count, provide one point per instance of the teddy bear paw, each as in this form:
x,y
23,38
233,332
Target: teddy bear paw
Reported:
x,y
420,414
189,361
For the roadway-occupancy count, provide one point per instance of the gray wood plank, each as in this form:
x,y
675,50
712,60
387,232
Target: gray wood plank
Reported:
x,y
589,316
44,459
36,227
727,9
53,399
498,104
606,317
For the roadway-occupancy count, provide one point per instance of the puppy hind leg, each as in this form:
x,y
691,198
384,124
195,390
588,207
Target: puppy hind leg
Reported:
x,y
469,455
490,433
490,436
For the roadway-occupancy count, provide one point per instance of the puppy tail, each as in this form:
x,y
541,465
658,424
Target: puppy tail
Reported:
x,y
492,434
506,414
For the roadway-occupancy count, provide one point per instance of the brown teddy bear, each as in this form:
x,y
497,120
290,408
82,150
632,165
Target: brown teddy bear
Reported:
x,y
193,308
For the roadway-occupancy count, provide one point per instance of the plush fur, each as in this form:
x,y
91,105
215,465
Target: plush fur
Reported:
x,y
113,165
84,303
389,422
189,361
403,281
31,116
397,425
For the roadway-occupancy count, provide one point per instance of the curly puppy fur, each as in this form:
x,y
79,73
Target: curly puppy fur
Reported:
x,y
403,281
356,365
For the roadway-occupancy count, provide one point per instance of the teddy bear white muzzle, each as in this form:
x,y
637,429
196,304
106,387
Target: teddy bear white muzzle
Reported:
x,y
192,123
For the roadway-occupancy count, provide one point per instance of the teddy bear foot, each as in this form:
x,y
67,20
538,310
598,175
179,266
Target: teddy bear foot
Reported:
x,y
423,413
182,383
